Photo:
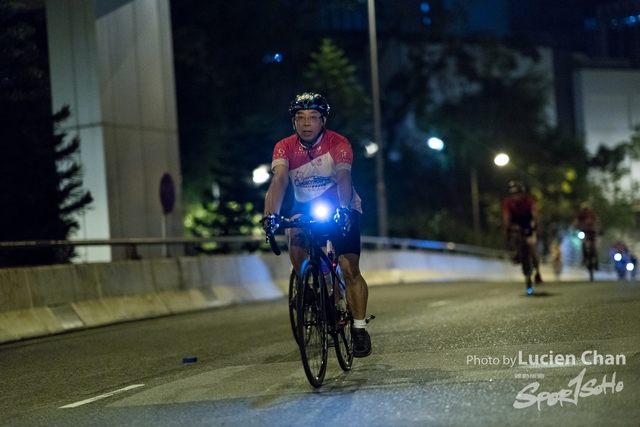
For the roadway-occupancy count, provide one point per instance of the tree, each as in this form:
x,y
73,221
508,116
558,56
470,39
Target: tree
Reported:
x,y
484,98
232,89
467,88
332,74
232,207
41,183
615,202
231,107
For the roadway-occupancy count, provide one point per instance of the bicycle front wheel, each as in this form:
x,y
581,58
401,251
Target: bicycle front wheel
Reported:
x,y
312,325
343,339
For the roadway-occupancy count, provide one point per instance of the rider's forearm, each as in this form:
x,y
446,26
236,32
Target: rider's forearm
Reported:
x,y
275,195
345,188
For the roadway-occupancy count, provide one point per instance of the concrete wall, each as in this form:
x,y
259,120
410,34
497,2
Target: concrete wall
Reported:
x,y
111,61
48,300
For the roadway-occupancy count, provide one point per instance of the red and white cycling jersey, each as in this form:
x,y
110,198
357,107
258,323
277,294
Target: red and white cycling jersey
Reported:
x,y
313,171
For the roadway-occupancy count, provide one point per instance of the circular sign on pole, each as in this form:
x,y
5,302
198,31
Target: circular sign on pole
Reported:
x,y
167,193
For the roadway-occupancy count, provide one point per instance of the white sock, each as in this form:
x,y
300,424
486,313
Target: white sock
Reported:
x,y
357,323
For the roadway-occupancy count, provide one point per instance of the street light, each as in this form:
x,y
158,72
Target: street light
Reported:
x,y
261,174
475,203
370,148
501,159
435,143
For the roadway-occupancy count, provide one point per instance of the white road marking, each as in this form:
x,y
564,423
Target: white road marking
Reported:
x,y
102,396
439,303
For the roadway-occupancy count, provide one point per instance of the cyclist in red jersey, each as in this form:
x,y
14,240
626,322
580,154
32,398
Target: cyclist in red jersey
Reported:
x,y
589,223
317,161
520,218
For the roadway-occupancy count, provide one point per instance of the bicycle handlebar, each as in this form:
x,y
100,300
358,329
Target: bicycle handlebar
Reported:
x,y
285,223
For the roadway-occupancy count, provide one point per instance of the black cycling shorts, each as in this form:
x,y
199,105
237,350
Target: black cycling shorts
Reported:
x,y
525,222
343,244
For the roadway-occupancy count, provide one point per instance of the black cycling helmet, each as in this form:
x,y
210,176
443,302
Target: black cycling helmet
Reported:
x,y
517,187
309,101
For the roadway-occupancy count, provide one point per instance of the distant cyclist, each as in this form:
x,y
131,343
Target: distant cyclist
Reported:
x,y
588,221
317,161
520,219
620,256
555,250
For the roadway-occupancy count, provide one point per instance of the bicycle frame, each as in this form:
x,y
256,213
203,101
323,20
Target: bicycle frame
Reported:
x,y
317,254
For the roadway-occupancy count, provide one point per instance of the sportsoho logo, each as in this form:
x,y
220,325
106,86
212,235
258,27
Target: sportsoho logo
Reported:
x,y
577,388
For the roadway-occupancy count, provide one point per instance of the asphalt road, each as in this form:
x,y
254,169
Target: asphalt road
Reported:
x,y
444,354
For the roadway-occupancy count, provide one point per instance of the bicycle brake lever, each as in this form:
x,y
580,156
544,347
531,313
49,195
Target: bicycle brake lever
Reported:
x,y
340,219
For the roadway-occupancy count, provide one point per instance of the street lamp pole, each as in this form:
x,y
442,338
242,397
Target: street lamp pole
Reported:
x,y
475,202
500,160
381,192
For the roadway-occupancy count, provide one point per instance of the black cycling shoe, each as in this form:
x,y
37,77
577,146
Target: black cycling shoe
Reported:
x,y
361,342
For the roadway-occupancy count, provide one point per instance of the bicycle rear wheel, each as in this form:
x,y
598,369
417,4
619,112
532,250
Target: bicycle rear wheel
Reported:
x,y
343,339
312,325
293,313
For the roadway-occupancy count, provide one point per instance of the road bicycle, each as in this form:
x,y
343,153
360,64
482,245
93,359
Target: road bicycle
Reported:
x,y
317,301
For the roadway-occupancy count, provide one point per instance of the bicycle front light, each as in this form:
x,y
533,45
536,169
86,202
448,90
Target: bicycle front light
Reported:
x,y
617,257
321,211
630,266
581,235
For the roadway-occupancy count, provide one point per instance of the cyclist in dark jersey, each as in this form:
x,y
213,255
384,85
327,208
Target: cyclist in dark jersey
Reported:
x,y
520,218
588,221
318,162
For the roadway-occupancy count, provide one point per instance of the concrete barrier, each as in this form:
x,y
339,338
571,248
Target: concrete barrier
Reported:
x,y
42,301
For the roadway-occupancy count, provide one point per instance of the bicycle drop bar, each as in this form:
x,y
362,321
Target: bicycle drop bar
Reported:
x,y
289,223
271,238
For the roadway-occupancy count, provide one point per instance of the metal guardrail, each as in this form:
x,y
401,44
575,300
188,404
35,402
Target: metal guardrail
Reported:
x,y
373,242
377,242
130,241
434,245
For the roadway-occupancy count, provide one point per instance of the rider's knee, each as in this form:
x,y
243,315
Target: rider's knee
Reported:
x,y
297,238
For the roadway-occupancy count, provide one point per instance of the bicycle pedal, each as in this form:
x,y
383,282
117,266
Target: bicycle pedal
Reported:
x,y
370,318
